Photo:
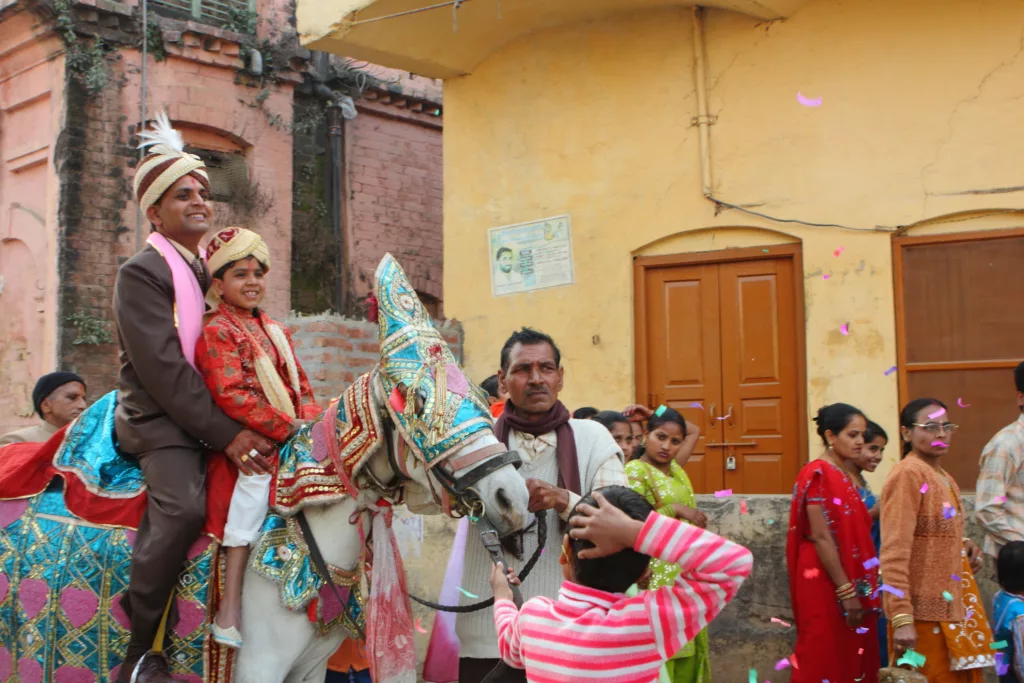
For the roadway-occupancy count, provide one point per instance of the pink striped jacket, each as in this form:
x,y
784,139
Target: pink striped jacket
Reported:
x,y
591,635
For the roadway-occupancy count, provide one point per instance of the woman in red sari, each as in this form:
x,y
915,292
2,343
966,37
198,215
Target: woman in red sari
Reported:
x,y
834,595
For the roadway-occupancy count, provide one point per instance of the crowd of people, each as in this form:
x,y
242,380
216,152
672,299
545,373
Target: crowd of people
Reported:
x,y
627,586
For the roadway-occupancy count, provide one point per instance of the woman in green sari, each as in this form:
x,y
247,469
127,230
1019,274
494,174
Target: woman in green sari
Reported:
x,y
657,475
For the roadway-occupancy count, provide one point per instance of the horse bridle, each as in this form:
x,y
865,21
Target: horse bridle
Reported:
x,y
458,497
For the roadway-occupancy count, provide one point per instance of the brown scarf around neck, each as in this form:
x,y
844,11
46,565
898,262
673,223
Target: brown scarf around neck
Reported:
x,y
556,420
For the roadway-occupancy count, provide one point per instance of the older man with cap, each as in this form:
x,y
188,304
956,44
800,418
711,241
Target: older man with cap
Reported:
x,y
58,398
166,416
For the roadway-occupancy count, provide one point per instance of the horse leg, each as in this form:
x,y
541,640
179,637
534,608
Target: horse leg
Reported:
x,y
275,637
312,664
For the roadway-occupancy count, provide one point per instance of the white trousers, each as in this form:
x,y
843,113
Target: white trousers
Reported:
x,y
249,504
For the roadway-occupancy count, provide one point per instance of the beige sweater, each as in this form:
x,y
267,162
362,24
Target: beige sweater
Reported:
x,y
921,549
39,433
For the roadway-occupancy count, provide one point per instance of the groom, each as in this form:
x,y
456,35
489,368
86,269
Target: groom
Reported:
x,y
165,416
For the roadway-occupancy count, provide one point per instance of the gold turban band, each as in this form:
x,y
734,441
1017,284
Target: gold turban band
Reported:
x,y
166,163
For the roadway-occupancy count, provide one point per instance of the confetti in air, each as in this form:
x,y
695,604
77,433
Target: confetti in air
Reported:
x,y
844,329
861,630
948,511
724,493
811,573
1000,645
696,405
753,676
837,501
960,402
924,488
914,659
955,577
870,564
808,101
419,626
1002,666
743,507
939,444
781,664
889,589
838,251
660,411
947,596
890,371
938,413
467,593
825,277
780,622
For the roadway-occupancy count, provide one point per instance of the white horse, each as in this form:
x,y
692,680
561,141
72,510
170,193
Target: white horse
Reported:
x,y
282,645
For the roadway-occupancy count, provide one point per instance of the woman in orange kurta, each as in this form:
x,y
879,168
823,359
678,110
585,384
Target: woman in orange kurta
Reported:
x,y
248,362
933,607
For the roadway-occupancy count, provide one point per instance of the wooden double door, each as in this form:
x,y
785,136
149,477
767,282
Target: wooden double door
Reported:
x,y
722,342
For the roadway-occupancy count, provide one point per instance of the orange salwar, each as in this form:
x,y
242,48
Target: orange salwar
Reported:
x,y
931,642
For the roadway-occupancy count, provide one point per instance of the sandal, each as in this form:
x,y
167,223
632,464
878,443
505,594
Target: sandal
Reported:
x,y
228,637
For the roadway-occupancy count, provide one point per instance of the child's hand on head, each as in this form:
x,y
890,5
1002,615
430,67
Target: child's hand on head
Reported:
x,y
500,580
606,526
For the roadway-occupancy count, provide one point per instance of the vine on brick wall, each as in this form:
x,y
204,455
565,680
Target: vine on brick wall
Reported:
x,y
89,329
244,21
85,60
154,40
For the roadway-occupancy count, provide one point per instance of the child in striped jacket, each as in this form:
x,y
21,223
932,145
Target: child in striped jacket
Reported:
x,y
591,631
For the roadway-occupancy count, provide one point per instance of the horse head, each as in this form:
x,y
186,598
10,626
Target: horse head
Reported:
x,y
443,437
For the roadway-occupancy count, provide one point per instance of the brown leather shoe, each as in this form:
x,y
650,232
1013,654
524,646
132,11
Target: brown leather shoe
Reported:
x,y
152,668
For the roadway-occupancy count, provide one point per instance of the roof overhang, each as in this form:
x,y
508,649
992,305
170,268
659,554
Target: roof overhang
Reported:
x,y
446,42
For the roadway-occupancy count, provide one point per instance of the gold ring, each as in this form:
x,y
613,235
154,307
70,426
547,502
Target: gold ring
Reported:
x,y
245,457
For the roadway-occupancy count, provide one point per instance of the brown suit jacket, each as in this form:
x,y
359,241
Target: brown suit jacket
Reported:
x,y
161,399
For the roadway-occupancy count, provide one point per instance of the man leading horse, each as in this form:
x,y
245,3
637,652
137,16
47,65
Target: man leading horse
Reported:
x,y
165,415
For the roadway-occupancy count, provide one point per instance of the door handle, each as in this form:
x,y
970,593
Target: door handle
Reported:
x,y
711,416
728,444
728,415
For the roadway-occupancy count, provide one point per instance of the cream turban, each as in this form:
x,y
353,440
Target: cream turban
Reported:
x,y
166,163
230,245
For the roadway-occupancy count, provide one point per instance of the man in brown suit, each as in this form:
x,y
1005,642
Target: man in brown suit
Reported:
x,y
165,415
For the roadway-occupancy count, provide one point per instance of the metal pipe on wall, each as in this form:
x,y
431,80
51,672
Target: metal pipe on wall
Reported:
x,y
336,137
703,120
142,100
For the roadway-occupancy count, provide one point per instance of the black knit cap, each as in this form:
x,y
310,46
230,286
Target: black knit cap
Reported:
x,y
48,384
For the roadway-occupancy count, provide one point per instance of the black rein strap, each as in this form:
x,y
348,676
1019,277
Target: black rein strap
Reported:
x,y
321,566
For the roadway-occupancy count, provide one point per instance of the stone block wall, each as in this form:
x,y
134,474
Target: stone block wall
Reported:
x,y
334,350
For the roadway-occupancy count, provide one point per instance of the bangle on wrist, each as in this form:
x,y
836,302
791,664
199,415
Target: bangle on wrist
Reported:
x,y
900,620
845,592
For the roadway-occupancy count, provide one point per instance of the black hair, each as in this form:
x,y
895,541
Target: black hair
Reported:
x,y
501,251
908,416
222,271
667,415
874,431
607,418
1018,377
528,337
584,413
617,572
1010,567
834,418
490,385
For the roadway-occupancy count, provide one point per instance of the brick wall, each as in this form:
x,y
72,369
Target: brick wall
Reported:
x,y
91,160
395,185
335,350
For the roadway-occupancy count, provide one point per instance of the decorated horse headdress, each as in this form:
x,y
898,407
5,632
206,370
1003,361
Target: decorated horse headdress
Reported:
x,y
430,400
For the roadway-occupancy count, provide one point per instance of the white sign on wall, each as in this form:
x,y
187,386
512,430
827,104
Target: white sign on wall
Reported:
x,y
529,256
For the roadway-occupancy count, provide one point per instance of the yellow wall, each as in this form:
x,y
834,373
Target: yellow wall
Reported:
x,y
594,120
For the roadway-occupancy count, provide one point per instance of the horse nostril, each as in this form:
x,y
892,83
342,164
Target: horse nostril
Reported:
x,y
503,501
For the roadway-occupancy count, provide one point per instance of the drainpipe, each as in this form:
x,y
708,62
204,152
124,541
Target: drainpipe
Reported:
x,y
336,136
142,114
703,119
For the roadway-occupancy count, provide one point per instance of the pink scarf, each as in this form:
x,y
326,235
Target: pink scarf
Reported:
x,y
442,663
189,305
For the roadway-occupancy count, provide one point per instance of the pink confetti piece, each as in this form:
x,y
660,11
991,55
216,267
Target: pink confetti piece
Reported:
x,y
825,277
743,507
419,626
872,563
937,414
889,589
860,650
844,329
924,488
1000,499
780,622
808,101
960,402
724,417
837,501
890,371
724,493
838,251
939,444
811,573
792,658
781,664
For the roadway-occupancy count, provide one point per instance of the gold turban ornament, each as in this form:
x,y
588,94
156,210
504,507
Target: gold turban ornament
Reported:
x,y
165,164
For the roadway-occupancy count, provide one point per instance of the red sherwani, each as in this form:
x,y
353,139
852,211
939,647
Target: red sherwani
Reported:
x,y
225,356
